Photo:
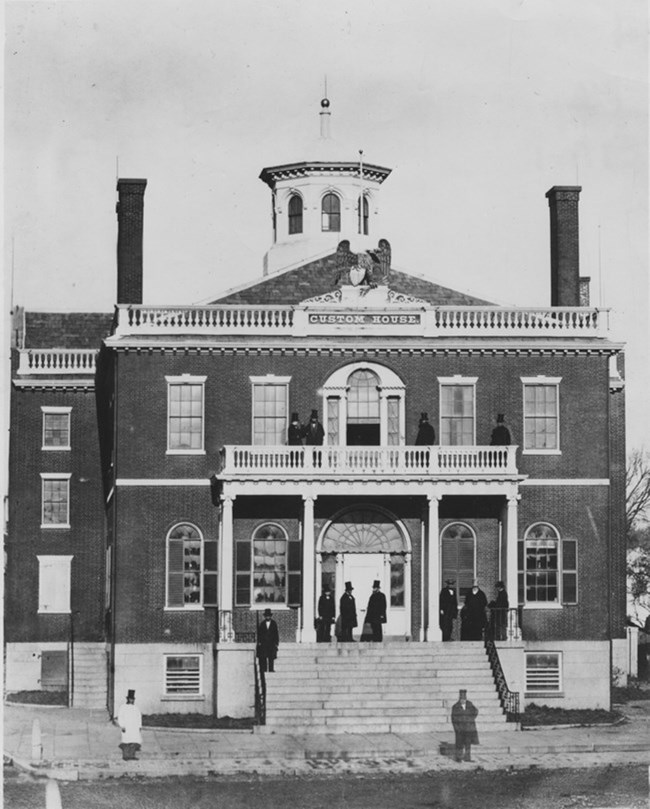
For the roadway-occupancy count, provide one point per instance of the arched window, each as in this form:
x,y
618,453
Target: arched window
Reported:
x,y
458,543
363,408
363,210
191,568
295,214
547,566
331,213
268,568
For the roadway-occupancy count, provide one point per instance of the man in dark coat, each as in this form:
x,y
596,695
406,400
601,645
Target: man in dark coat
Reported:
x,y
376,611
500,434
347,612
294,433
326,612
463,718
472,615
268,640
426,436
499,612
313,432
448,608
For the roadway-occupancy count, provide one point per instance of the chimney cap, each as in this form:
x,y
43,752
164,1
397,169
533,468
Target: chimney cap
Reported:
x,y
558,188
130,181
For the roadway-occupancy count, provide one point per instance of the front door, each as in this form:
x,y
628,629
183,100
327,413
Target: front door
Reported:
x,y
362,569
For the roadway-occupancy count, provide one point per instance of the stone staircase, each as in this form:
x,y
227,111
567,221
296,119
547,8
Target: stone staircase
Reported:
x,y
379,688
90,668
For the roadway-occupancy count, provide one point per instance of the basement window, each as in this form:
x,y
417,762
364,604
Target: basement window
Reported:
x,y
183,675
543,673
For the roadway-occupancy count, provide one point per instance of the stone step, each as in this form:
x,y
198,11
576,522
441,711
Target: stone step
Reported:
x,y
334,725
306,713
285,697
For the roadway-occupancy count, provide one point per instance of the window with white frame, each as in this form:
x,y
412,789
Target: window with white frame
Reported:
x,y
191,568
185,414
457,410
541,414
56,428
268,568
55,500
270,410
54,584
183,675
543,672
548,567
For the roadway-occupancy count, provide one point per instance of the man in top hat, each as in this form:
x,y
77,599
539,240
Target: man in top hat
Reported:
x,y
448,608
294,433
499,612
129,719
473,616
500,434
326,612
463,718
268,640
376,611
426,436
347,612
314,432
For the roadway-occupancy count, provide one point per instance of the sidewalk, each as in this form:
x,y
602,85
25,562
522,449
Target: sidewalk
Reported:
x,y
82,745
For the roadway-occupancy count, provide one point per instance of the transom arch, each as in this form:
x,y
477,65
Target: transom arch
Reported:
x,y
364,529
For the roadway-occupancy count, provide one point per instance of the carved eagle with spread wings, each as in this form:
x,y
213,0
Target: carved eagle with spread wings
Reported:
x,y
370,268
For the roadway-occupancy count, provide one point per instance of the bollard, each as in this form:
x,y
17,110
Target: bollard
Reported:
x,y
52,795
37,741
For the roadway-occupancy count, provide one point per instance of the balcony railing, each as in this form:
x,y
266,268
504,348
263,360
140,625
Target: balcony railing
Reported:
x,y
357,460
55,361
393,319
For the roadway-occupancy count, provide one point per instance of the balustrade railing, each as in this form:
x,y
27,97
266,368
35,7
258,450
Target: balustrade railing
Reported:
x,y
57,361
363,460
450,321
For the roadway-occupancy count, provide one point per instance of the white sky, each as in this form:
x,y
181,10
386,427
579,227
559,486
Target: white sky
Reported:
x,y
479,107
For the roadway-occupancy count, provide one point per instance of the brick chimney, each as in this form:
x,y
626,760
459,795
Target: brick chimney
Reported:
x,y
129,209
565,253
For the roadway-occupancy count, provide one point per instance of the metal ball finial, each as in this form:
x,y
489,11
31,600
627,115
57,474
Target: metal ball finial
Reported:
x,y
325,103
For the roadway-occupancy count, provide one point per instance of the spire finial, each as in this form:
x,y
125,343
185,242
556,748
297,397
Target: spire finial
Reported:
x,y
325,114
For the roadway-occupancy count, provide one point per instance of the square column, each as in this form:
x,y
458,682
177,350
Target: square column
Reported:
x,y
512,584
226,633
308,573
434,632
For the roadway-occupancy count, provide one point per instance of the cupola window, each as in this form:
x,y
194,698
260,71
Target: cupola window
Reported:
x,y
331,213
295,214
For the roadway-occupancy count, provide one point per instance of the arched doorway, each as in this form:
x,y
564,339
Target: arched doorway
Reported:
x,y
362,544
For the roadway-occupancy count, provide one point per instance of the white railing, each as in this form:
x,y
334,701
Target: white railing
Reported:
x,y
443,321
400,461
57,361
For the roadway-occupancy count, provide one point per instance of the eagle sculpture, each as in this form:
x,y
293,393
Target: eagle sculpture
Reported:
x,y
370,268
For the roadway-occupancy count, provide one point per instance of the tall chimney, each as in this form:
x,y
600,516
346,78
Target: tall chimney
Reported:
x,y
565,253
130,210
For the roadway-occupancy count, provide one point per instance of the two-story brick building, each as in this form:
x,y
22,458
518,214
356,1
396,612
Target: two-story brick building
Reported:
x,y
212,516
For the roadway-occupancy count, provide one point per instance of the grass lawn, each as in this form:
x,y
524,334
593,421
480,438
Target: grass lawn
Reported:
x,y
540,715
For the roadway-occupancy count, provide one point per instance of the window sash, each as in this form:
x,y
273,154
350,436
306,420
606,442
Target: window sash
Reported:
x,y
185,416
295,214
183,674
268,569
363,398
270,414
55,501
331,213
56,430
333,435
186,568
547,571
541,417
457,415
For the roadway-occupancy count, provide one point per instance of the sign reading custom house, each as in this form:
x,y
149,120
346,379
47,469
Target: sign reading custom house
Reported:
x,y
364,318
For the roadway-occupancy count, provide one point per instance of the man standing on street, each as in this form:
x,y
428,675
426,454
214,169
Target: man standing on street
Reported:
x,y
463,718
129,719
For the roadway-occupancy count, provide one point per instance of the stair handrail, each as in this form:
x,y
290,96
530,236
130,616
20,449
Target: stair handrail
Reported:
x,y
260,692
509,699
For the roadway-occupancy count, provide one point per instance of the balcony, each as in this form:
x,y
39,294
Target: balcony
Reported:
x,y
401,318
406,462
56,361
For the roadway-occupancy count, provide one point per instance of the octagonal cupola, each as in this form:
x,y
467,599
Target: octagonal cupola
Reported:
x,y
331,196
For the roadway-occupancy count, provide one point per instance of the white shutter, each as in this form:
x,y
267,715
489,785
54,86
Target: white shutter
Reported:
x,y
54,583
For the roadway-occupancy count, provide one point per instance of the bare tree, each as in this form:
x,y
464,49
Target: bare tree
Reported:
x,y
637,494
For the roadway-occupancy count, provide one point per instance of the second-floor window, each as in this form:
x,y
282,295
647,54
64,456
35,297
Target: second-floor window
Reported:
x,y
295,214
270,410
56,428
541,415
185,414
331,213
457,411
55,500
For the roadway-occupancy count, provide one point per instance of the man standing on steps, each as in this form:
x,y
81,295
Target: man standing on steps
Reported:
x,y
448,608
268,640
347,613
463,718
376,612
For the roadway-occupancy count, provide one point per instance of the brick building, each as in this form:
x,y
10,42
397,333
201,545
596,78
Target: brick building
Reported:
x,y
212,517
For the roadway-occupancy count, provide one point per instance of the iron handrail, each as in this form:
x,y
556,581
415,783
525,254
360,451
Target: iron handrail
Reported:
x,y
509,699
260,693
